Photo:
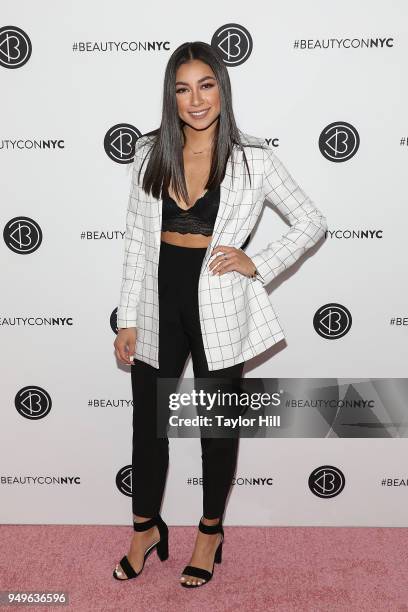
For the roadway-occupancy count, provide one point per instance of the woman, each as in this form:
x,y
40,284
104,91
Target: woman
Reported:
x,y
198,182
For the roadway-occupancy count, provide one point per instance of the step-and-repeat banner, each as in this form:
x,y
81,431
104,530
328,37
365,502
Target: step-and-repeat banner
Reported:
x,y
325,86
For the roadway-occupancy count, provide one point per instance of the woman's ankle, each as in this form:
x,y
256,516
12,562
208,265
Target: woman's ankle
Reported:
x,y
212,521
141,519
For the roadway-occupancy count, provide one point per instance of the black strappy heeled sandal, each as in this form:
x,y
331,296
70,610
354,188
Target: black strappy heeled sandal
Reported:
x,y
162,547
199,572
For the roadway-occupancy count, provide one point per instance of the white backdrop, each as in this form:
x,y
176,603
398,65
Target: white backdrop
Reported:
x,y
57,300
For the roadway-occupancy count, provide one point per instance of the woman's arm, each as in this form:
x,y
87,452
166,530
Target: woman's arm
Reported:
x,y
134,251
307,223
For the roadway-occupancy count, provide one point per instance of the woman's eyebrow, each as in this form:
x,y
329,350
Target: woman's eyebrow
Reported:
x,y
199,80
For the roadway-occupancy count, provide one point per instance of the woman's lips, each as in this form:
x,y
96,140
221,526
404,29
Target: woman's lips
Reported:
x,y
201,114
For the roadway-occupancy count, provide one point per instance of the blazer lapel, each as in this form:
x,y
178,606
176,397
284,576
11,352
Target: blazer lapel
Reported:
x,y
227,196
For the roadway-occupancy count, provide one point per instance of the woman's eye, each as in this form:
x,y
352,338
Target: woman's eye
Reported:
x,y
206,85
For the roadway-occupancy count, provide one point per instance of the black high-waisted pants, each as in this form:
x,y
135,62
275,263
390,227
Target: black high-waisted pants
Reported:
x,y
179,334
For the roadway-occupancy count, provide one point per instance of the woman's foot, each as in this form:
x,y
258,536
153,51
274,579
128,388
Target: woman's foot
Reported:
x,y
203,553
140,542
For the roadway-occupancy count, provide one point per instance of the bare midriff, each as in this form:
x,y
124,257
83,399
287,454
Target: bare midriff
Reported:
x,y
193,241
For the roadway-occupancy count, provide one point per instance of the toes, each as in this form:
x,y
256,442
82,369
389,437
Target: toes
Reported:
x,y
119,572
191,581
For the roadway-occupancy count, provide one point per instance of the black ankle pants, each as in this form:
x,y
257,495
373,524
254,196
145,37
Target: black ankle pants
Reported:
x,y
179,334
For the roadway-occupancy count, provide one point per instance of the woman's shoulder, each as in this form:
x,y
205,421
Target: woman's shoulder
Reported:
x,y
145,139
250,140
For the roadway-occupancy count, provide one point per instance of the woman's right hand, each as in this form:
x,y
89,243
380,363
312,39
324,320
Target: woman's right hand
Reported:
x,y
125,345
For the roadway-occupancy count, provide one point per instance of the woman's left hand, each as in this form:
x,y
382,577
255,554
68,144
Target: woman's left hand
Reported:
x,y
229,259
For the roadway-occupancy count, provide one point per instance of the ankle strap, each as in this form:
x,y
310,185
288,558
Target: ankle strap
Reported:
x,y
209,529
143,526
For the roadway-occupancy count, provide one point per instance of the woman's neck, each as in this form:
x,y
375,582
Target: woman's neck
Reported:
x,y
199,140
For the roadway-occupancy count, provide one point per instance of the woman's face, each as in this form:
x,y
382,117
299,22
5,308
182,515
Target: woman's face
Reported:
x,y
197,90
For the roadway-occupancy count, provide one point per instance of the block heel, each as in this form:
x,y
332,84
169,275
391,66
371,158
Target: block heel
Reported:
x,y
218,554
163,549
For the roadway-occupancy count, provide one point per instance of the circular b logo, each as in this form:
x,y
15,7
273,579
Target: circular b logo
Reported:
x,y
22,235
113,320
326,481
332,321
119,142
339,141
124,480
233,43
15,47
33,402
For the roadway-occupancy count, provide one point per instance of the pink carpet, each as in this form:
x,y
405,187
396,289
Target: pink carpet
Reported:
x,y
280,569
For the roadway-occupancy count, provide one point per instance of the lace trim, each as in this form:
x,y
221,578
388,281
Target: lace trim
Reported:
x,y
191,226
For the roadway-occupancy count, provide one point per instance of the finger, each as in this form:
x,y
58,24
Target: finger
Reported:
x,y
131,352
118,356
227,267
224,248
229,263
215,262
123,353
221,258
122,356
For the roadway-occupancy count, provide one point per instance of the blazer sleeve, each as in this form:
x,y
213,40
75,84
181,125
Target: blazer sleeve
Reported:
x,y
307,223
134,260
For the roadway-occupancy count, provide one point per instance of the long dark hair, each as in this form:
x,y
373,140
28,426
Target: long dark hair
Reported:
x,y
165,164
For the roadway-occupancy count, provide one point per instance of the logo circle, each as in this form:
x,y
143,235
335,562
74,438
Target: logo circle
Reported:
x,y
119,142
33,402
339,141
22,235
113,320
233,44
124,480
15,47
326,481
332,321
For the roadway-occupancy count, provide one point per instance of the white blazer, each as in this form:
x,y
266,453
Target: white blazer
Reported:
x,y
236,315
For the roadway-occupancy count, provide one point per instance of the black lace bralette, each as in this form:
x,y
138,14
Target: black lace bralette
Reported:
x,y
198,219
